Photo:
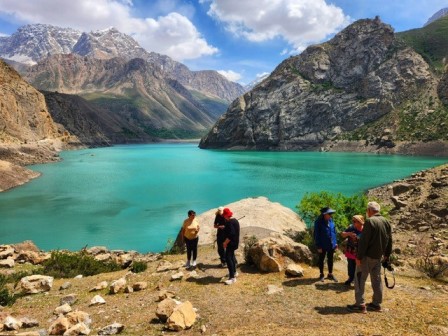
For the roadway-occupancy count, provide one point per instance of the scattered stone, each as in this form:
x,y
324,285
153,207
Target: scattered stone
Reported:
x,y
11,323
165,294
193,274
423,228
117,286
203,329
64,309
79,316
35,284
273,289
165,308
401,188
294,270
95,250
103,257
8,262
138,286
112,329
59,326
29,323
97,300
70,299
398,202
128,289
177,276
79,276
164,266
6,251
183,317
77,329
100,286
65,285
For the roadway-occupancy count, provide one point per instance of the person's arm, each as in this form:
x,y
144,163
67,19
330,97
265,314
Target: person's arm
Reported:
x,y
317,236
216,223
388,251
363,241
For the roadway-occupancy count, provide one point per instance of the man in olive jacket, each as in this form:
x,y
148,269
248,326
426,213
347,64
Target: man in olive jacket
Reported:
x,y
375,246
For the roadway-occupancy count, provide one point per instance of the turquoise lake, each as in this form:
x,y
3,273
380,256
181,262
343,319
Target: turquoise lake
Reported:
x,y
135,197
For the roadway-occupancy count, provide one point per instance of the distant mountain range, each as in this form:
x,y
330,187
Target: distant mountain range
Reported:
x,y
161,96
441,13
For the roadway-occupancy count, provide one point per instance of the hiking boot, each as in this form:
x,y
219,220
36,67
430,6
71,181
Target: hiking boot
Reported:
x,y
230,281
194,263
332,277
374,307
357,308
187,264
348,283
321,277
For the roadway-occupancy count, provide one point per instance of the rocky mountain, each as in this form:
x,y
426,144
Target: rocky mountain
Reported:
x,y
133,90
32,43
362,87
440,14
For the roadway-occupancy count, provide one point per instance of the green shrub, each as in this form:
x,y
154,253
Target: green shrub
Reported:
x,y
138,266
6,298
69,265
248,243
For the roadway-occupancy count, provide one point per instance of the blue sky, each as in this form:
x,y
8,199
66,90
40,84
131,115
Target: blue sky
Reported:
x,y
242,39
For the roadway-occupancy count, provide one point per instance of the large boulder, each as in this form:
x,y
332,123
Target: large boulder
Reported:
x,y
34,284
183,317
269,254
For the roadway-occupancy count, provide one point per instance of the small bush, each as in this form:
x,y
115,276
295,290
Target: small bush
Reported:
x,y
248,243
6,298
69,265
138,266
430,264
174,247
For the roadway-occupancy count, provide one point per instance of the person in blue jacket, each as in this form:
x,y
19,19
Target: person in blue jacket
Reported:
x,y
325,241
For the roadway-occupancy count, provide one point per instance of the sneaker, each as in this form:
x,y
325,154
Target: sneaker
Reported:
x,y
357,308
194,263
321,278
236,274
348,283
187,264
230,281
332,277
223,265
374,307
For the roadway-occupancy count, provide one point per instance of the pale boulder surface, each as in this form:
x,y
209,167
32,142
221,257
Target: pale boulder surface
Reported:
x,y
261,218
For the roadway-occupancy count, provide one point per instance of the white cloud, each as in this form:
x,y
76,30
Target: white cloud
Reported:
x,y
230,75
299,22
173,35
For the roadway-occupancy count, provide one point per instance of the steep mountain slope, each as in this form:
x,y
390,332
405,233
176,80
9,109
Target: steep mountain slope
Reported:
x,y
135,90
440,14
361,86
430,41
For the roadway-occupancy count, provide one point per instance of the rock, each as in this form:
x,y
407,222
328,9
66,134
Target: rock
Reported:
x,y
79,316
64,309
77,329
27,245
8,262
272,289
401,188
10,323
294,270
124,260
112,329
165,266
177,276
268,253
165,294
138,286
59,326
95,250
103,257
398,202
29,323
117,286
6,251
165,308
423,228
100,286
79,276
32,257
183,317
35,284
128,289
69,299
97,300
65,285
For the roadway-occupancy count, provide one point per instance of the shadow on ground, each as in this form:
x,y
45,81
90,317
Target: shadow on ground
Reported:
x,y
333,310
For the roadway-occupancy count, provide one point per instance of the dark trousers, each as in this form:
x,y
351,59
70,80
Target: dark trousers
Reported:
x,y
351,267
221,249
192,247
231,261
320,262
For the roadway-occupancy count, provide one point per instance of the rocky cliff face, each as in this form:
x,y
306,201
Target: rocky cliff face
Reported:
x,y
357,80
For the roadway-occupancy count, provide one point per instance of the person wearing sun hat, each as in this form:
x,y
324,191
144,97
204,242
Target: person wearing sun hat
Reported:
x,y
352,233
325,241
231,242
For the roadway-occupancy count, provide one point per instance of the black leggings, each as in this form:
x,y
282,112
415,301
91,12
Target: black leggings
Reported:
x,y
320,262
192,247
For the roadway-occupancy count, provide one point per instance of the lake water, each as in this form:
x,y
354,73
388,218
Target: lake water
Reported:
x,y
135,197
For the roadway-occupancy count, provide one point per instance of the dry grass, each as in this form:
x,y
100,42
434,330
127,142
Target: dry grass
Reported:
x,y
414,307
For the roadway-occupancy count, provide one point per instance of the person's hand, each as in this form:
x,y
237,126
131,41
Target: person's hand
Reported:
x,y
358,262
319,250
225,244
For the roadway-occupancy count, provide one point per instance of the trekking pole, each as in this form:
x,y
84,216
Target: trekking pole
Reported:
x,y
241,218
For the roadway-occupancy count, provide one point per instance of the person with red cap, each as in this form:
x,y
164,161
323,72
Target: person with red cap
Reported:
x,y
231,242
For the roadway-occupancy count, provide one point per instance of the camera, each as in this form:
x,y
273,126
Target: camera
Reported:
x,y
387,265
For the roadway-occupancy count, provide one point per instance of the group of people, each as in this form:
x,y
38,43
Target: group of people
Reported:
x,y
369,243
227,238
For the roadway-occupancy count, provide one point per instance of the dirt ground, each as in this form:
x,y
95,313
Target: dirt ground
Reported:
x,y
416,306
